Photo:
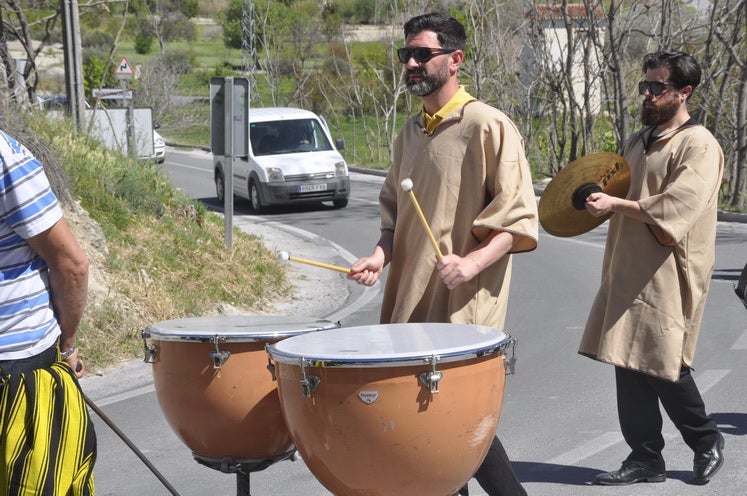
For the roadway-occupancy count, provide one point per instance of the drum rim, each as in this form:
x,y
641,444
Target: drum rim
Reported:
x,y
493,347
301,361
296,326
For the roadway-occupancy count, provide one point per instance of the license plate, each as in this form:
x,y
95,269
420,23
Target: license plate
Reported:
x,y
310,188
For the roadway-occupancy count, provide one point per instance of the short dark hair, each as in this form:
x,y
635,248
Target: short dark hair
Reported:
x,y
450,32
684,70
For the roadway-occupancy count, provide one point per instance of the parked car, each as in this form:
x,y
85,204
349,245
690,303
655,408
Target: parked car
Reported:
x,y
292,159
55,102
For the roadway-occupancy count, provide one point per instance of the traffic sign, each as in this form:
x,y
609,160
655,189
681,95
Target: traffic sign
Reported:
x,y
124,69
229,115
112,94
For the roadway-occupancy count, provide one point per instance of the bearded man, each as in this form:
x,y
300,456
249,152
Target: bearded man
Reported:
x,y
466,160
655,276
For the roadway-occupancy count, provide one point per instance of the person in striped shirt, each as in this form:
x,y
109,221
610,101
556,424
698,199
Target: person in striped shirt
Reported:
x,y
47,442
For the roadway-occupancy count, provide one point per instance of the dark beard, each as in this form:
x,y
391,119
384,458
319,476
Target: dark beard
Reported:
x,y
425,86
659,113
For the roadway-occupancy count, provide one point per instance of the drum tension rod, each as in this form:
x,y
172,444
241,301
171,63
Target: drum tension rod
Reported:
x,y
218,356
270,365
431,379
150,351
511,362
309,383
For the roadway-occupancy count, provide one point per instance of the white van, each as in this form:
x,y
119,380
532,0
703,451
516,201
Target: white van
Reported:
x,y
292,159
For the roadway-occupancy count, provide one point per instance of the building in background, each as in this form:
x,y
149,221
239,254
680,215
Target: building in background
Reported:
x,y
563,50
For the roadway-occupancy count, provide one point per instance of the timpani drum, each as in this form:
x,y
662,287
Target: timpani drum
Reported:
x,y
211,380
393,409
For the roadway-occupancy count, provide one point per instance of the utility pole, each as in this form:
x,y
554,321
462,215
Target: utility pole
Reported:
x,y
73,63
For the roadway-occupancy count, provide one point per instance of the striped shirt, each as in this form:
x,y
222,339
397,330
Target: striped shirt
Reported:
x,y
28,207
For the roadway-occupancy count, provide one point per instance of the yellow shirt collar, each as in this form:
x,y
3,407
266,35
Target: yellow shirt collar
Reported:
x,y
459,99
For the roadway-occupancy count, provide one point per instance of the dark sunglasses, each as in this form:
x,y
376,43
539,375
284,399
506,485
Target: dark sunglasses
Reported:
x,y
420,54
655,88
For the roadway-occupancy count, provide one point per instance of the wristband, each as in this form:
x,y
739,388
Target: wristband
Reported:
x,y
64,355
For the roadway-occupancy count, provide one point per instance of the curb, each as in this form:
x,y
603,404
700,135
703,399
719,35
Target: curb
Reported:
x,y
726,216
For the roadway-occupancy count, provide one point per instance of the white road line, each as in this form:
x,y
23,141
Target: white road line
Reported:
x,y
116,398
741,342
589,448
709,378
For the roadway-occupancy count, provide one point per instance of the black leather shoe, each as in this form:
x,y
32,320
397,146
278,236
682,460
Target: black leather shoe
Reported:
x,y
705,465
630,473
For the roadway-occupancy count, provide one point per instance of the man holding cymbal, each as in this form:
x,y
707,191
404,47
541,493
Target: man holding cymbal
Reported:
x,y
465,162
655,276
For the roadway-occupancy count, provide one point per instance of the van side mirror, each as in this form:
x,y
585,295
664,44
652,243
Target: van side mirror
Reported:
x,y
340,143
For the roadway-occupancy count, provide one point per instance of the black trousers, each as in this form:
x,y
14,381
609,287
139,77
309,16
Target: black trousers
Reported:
x,y
638,397
496,475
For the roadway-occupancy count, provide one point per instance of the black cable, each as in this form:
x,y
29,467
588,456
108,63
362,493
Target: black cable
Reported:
x,y
130,444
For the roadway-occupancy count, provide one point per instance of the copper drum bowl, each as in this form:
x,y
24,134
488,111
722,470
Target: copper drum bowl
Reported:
x,y
393,409
211,380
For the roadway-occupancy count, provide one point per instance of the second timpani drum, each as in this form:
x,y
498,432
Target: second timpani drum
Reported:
x,y
211,380
393,409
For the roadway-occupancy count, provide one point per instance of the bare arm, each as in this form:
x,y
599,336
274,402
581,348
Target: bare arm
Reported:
x,y
68,281
599,204
455,270
368,270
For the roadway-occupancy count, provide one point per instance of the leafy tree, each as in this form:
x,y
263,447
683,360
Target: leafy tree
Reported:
x,y
143,43
230,21
96,74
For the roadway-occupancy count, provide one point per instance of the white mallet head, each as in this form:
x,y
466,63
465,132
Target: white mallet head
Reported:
x,y
283,256
406,184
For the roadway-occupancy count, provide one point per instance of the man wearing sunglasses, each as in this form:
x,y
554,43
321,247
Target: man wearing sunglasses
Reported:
x,y
467,164
655,276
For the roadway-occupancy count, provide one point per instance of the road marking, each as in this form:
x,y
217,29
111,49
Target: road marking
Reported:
x,y
575,456
709,378
116,398
583,451
200,169
741,342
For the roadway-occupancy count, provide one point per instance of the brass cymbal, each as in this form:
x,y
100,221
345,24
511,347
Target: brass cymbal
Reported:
x,y
561,207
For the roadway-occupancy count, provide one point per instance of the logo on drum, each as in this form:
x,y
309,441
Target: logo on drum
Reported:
x,y
368,397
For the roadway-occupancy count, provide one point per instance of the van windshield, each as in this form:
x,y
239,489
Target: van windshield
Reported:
x,y
294,136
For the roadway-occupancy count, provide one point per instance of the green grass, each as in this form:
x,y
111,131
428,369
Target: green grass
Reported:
x,y
207,50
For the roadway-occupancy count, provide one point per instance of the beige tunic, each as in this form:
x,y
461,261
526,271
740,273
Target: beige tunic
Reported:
x,y
470,177
655,278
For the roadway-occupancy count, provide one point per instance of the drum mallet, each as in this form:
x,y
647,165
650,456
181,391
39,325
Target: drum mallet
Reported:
x,y
407,186
283,256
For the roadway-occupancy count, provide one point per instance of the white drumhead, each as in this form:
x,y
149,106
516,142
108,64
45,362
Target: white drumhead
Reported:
x,y
390,343
235,328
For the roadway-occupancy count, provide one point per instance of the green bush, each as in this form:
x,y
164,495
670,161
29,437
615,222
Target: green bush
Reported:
x,y
143,43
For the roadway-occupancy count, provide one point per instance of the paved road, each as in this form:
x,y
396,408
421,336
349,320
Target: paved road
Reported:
x,y
558,423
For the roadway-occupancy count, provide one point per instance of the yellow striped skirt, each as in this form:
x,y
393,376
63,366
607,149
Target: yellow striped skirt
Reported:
x,y
47,440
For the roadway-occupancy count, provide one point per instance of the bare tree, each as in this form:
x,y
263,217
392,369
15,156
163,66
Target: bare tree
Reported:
x,y
723,106
566,43
16,26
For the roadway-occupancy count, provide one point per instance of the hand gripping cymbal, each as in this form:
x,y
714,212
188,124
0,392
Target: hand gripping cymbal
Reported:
x,y
561,208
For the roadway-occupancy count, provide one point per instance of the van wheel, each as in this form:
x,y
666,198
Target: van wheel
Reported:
x,y
255,197
220,187
340,203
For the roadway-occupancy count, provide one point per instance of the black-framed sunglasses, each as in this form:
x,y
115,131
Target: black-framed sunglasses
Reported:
x,y
420,54
655,88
